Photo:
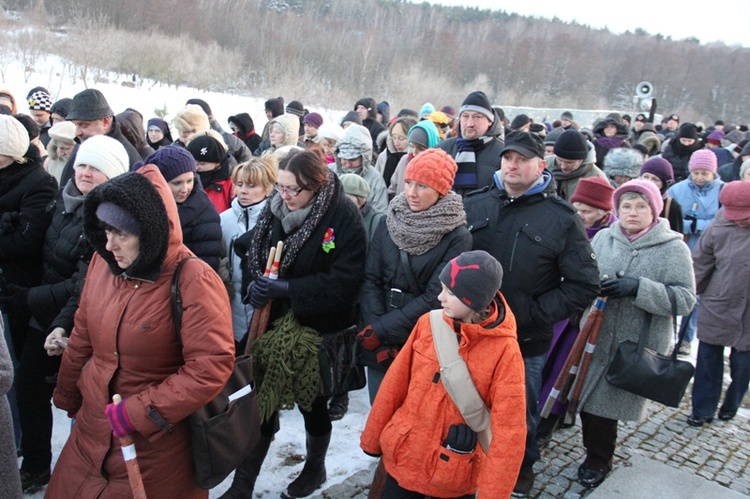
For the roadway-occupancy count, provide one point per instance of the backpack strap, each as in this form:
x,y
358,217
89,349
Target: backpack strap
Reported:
x,y
667,206
413,284
457,381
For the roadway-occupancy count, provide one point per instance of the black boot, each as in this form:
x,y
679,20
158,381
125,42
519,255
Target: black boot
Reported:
x,y
247,472
339,406
313,474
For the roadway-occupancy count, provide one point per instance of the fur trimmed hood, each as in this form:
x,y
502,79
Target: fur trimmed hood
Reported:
x,y
290,124
146,196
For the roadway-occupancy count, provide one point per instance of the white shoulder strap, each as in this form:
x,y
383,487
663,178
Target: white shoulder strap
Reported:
x,y
454,373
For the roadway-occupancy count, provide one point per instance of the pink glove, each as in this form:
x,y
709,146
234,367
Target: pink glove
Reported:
x,y
118,419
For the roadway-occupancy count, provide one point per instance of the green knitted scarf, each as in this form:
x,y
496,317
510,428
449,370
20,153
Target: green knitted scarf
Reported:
x,y
287,369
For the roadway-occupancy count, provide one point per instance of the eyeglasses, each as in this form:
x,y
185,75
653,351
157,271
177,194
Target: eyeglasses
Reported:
x,y
292,193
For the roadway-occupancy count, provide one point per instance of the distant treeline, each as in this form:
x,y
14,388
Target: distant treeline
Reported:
x,y
332,52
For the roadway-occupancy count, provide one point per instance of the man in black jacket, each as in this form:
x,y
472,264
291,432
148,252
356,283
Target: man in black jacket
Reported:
x,y
550,268
91,115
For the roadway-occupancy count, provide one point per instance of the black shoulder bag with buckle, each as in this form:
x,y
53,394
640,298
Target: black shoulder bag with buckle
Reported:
x,y
224,430
644,372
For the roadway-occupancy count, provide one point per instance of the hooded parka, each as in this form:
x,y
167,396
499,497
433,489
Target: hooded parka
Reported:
x,y
124,342
358,137
413,412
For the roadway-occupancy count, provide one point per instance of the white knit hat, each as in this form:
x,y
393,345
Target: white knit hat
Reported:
x,y
14,139
64,131
105,154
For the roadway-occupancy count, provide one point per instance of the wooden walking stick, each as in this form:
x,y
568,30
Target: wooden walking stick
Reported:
x,y
252,333
265,312
131,461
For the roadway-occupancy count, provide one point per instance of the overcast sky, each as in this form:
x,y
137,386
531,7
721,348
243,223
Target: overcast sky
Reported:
x,y
726,20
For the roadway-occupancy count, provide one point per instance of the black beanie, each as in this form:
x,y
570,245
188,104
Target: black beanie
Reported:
x,y
62,106
478,101
571,144
474,277
206,149
688,131
519,121
296,108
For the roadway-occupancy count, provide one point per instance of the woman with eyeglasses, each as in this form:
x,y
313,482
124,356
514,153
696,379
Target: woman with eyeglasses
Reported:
x,y
320,273
640,261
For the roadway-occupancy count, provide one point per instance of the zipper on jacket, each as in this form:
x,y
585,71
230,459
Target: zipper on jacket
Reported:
x,y
513,251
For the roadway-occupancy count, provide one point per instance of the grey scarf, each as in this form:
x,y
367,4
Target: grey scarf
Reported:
x,y
419,232
290,220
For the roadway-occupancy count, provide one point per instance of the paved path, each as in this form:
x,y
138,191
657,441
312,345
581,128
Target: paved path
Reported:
x,y
661,457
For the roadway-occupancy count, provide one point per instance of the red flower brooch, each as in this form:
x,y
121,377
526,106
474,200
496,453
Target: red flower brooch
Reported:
x,y
328,240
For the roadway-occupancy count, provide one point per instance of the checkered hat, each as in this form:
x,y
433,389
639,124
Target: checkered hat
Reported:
x,y
40,101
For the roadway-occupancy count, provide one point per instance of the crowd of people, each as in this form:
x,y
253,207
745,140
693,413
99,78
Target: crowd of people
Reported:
x,y
511,227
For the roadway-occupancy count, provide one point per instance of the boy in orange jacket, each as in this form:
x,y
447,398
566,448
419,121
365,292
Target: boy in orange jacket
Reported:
x,y
426,446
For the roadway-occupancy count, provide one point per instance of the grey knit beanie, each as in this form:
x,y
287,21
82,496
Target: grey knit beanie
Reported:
x,y
474,277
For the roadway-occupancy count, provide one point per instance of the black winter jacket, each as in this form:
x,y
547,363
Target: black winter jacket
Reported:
x,y
384,271
679,156
550,270
25,191
67,254
201,226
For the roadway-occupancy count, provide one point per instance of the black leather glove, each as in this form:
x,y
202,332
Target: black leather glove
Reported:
x,y
8,221
693,223
620,286
265,289
16,299
461,439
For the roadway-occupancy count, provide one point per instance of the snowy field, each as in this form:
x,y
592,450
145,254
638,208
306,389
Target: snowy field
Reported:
x,y
146,97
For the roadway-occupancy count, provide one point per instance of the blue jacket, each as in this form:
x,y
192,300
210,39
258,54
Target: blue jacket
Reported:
x,y
701,202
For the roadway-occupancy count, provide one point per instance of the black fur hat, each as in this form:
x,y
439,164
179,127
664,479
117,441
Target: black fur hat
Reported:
x,y
135,194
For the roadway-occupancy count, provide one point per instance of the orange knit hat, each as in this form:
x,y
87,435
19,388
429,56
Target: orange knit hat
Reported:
x,y
434,168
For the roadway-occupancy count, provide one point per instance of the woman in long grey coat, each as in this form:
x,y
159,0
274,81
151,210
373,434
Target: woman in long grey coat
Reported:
x,y
639,257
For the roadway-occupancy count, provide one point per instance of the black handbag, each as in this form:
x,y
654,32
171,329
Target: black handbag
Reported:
x,y
222,432
644,372
339,369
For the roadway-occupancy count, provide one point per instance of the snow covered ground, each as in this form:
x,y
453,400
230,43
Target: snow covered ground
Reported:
x,y
286,456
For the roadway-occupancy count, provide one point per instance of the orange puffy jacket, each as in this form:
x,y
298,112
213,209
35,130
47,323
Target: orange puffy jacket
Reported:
x,y
413,412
